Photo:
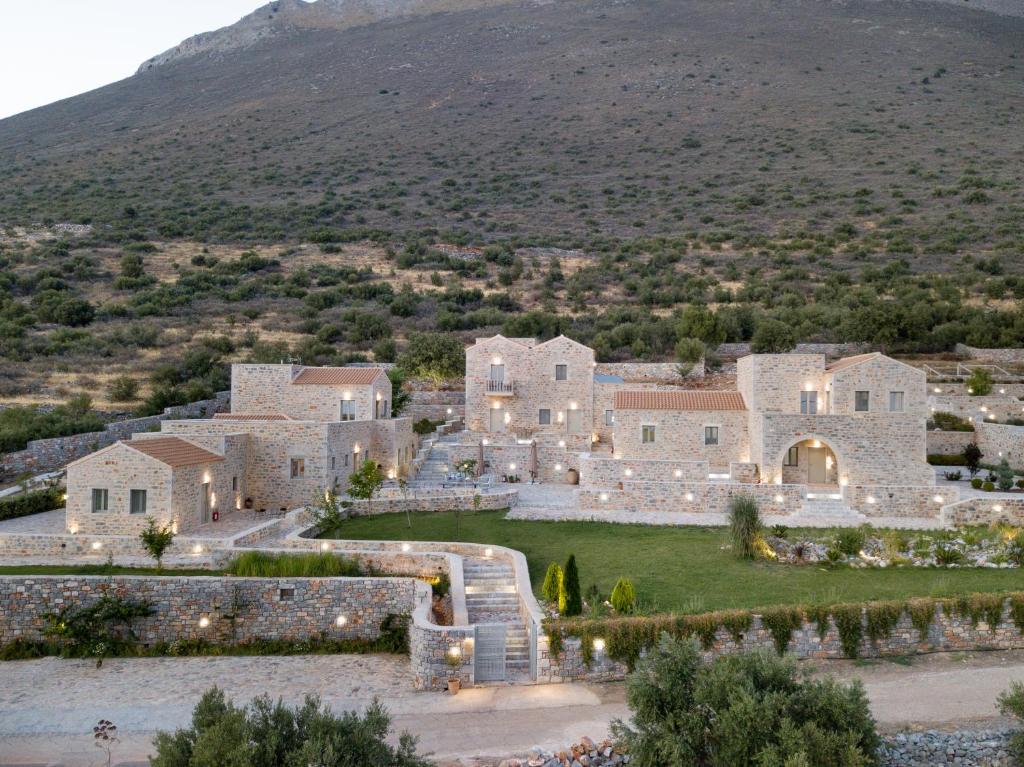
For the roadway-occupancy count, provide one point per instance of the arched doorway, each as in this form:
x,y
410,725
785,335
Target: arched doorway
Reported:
x,y
810,462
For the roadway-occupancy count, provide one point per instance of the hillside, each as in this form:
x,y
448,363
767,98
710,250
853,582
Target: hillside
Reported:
x,y
561,121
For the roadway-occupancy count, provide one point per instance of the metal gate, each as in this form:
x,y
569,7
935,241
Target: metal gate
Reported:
x,y
533,651
489,652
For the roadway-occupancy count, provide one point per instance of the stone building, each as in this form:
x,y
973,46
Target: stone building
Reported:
x,y
293,432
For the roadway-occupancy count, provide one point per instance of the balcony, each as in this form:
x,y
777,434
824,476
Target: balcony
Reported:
x,y
503,388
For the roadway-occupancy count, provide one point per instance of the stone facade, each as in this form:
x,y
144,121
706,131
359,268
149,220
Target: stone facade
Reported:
x,y
690,497
263,389
998,441
680,435
948,632
638,372
236,609
948,442
984,511
599,471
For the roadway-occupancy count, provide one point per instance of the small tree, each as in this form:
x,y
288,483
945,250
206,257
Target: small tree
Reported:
x,y
979,383
157,540
1004,475
972,458
689,351
400,398
772,337
744,526
573,597
403,487
624,596
1011,702
124,388
552,583
326,510
364,483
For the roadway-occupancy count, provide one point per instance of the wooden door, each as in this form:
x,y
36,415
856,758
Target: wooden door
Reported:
x,y
816,470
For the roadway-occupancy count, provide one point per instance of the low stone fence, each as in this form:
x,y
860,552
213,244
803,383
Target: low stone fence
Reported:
x,y
997,356
692,497
998,441
947,632
979,409
53,453
905,501
68,545
609,471
553,462
220,609
435,405
648,371
948,442
985,511
736,350
441,499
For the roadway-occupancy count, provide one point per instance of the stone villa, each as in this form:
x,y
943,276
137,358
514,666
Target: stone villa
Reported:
x,y
293,431
840,439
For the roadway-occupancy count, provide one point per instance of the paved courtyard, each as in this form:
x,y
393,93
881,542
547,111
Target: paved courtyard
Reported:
x,y
47,707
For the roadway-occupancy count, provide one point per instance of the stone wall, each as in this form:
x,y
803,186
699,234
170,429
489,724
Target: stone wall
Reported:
x,y
690,497
260,389
598,471
997,356
998,441
48,454
436,500
947,633
737,350
73,546
978,408
899,500
948,442
237,609
772,382
553,462
435,405
679,435
986,511
663,372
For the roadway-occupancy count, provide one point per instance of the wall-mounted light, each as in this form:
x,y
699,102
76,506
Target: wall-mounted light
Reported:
x,y
73,529
558,467
844,481
204,622
356,448
406,547
455,651
488,552
485,442
495,360
561,442
628,472
1002,391
325,546
938,390
511,467
828,462
779,498
689,496
870,499
391,473
340,621
983,409
599,645
197,549
603,497
997,508
97,545
678,473
449,411
572,405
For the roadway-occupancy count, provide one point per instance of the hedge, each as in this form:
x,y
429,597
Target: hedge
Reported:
x,y
32,503
938,459
626,638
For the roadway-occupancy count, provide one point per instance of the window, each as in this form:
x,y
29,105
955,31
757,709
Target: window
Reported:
x,y
334,461
710,435
346,459
544,417
792,456
298,469
561,372
896,402
497,372
647,434
348,410
137,502
609,417
809,402
860,401
99,499
234,484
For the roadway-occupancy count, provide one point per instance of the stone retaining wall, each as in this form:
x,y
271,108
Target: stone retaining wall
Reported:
x,y
948,442
947,633
985,511
997,356
236,609
998,441
735,350
68,545
605,471
435,405
49,454
691,497
648,371
899,500
552,461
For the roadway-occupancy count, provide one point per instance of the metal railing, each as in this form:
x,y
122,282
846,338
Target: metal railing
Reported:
x,y
500,387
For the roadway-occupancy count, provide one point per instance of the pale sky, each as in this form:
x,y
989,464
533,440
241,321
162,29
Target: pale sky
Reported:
x,y
53,49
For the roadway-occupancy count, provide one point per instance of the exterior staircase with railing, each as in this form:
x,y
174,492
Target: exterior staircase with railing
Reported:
x,y
493,598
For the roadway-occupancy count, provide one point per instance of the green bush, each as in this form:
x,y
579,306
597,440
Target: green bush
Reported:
x,y
32,503
552,583
979,383
752,708
21,424
988,487
744,526
570,600
261,564
1005,475
940,459
433,356
850,541
1011,703
267,734
124,388
624,596
424,426
976,483
950,422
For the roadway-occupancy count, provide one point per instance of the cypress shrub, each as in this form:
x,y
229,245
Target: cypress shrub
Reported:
x,y
552,583
573,599
624,596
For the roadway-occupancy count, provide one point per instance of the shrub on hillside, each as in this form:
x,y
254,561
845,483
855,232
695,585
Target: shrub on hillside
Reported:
x,y
752,708
21,424
32,503
979,383
950,422
260,564
124,388
267,734
433,356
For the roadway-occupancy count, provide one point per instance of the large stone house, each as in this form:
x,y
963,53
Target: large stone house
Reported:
x,y
796,431
292,432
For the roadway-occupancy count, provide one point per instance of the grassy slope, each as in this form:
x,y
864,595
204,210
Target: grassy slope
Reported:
x,y
678,569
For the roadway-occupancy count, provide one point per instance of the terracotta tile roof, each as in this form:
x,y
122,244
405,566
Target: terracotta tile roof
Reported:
x,y
337,376
174,451
679,400
846,362
250,417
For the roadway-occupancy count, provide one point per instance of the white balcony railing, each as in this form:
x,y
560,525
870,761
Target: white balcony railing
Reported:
x,y
503,387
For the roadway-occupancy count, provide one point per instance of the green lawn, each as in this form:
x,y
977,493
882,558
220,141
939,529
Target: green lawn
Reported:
x,y
678,568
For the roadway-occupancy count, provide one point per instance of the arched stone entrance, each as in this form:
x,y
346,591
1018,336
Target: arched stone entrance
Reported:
x,y
809,461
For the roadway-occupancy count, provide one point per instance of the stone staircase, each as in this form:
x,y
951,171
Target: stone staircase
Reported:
x,y
825,510
492,597
431,461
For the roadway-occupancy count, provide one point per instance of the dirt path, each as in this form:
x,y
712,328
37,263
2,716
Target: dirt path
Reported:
x,y
47,707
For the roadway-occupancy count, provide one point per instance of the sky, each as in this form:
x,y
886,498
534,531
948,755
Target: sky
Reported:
x,y
53,49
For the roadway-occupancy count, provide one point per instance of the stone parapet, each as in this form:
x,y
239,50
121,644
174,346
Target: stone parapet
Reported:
x,y
985,511
899,500
597,470
998,441
692,497
948,442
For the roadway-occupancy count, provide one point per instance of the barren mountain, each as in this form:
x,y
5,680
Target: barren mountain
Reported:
x,y
560,120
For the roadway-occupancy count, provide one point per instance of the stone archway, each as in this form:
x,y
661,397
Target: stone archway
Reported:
x,y
812,461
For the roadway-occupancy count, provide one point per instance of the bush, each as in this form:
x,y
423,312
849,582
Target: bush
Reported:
x,y
20,425
850,541
35,502
433,356
1011,703
424,426
941,459
950,422
979,383
953,476
972,457
156,540
624,596
124,388
1005,475
744,526
976,483
552,583
689,350
772,337
988,487
266,734
260,564
752,708
570,600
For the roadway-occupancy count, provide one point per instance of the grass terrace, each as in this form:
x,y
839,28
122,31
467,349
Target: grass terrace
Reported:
x,y
678,569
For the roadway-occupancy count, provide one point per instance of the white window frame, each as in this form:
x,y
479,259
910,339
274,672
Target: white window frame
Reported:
x,y
564,368
499,368
544,416
808,403
131,501
902,402
299,463
867,401
644,433
609,417
718,435
348,416
95,508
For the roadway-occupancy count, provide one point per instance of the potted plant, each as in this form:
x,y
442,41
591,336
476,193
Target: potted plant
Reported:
x,y
453,658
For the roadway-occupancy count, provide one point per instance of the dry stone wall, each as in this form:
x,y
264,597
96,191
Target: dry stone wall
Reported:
x,y
596,471
948,442
986,511
899,500
997,356
680,434
998,441
690,497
